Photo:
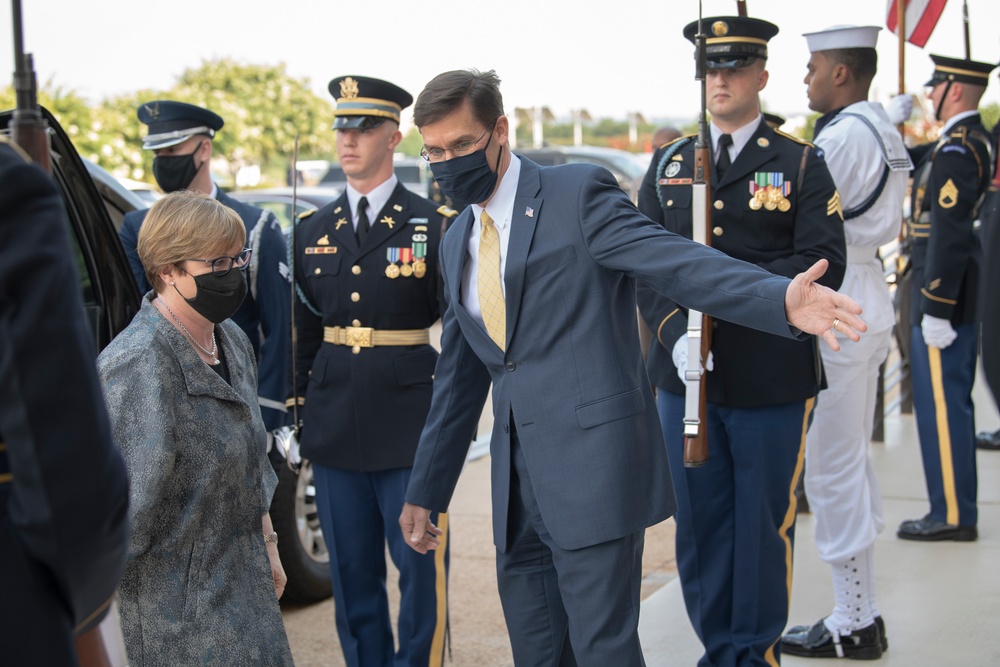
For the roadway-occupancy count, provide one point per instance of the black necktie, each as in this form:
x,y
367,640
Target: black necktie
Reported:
x,y
363,225
724,161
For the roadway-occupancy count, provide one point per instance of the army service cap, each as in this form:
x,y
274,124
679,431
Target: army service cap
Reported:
x,y
843,37
733,41
364,102
960,71
171,123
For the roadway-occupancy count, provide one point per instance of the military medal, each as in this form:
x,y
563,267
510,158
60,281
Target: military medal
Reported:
x,y
419,252
392,254
406,255
770,191
419,268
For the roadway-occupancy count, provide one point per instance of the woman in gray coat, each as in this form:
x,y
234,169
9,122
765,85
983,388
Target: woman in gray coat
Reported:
x,y
202,578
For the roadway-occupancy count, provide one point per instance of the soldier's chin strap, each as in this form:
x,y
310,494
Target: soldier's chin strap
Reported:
x,y
940,104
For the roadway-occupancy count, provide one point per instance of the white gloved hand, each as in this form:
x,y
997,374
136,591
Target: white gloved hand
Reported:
x,y
680,356
938,332
899,109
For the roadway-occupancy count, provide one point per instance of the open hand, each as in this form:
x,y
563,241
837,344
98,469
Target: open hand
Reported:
x,y
821,311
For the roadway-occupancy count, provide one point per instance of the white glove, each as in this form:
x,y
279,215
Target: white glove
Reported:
x,y
680,356
899,109
937,332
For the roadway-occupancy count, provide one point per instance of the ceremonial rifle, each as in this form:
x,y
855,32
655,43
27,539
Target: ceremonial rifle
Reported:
x,y
699,329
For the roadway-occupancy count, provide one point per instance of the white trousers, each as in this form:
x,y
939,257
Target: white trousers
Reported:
x,y
840,483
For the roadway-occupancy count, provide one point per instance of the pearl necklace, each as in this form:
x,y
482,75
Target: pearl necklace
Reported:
x,y
211,353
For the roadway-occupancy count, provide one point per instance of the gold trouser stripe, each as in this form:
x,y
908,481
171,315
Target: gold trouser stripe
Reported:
x,y
94,614
944,436
790,516
436,658
6,478
345,336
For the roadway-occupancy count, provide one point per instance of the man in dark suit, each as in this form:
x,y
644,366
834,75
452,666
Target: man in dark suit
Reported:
x,y
539,278
63,487
180,136
989,232
949,184
366,268
774,205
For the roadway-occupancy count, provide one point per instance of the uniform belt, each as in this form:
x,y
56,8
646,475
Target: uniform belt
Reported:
x,y
369,337
860,254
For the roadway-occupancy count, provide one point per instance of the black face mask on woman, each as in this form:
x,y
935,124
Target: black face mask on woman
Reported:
x,y
218,297
175,172
467,178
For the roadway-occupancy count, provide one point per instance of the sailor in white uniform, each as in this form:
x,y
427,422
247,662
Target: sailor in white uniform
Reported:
x,y
870,166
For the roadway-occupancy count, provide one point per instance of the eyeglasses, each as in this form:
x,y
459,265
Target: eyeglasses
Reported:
x,y
223,265
459,149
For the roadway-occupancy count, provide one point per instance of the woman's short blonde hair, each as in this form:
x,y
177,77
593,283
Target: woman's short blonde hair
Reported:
x,y
186,225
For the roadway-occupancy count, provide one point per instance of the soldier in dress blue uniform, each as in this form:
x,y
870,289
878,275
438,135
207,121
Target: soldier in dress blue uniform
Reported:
x,y
774,204
180,135
63,486
949,185
366,269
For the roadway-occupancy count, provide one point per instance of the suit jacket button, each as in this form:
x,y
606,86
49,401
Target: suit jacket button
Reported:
x,y
717,231
356,270
719,204
355,297
355,323
506,428
510,365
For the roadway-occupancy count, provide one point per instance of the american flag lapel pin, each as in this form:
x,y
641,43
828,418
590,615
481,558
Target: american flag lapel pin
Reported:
x,y
529,212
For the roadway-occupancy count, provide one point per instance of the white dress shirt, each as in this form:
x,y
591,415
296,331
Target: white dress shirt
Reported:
x,y
377,200
740,138
500,209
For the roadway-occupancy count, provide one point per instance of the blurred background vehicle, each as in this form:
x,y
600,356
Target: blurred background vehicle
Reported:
x,y
626,167
280,201
413,172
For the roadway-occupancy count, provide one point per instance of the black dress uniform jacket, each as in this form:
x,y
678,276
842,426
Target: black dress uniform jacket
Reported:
x,y
63,486
752,368
951,179
363,410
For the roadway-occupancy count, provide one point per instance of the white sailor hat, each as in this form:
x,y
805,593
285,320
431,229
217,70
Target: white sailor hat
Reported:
x,y
171,122
843,37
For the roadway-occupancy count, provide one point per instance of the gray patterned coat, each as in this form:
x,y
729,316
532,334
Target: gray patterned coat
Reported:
x,y
197,588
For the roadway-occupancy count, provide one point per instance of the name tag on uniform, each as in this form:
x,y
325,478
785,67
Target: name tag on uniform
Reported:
x,y
675,181
321,250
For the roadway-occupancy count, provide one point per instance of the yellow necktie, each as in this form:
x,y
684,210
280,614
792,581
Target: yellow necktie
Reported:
x,y
491,301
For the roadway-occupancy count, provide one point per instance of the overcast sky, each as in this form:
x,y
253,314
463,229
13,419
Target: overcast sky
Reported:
x,y
609,58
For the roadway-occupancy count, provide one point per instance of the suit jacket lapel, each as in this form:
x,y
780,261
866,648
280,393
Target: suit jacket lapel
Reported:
x,y
759,149
524,217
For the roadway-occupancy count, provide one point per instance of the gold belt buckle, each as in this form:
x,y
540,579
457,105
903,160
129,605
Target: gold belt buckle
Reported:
x,y
359,336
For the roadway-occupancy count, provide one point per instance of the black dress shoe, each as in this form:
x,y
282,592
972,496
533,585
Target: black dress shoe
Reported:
x,y
987,440
800,629
932,530
818,642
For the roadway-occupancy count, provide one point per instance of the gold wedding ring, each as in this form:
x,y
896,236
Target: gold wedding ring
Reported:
x,y
836,323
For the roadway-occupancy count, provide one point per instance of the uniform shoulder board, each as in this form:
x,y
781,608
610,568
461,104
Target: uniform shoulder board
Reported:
x,y
306,214
684,138
795,139
446,211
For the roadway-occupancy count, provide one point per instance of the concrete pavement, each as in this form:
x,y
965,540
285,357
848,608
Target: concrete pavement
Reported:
x,y
940,601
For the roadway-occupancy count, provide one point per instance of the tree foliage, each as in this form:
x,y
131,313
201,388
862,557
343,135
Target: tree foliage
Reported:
x,y
263,108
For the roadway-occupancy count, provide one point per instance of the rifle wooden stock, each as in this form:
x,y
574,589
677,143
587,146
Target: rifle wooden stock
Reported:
x,y
90,649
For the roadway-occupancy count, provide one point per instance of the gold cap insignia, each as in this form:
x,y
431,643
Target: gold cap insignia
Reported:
x,y
720,28
387,221
397,207
948,196
349,88
763,142
154,111
324,240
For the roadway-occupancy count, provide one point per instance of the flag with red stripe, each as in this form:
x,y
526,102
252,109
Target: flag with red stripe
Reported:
x,y
921,17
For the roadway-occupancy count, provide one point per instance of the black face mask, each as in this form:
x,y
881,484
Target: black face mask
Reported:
x,y
175,172
468,178
218,297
